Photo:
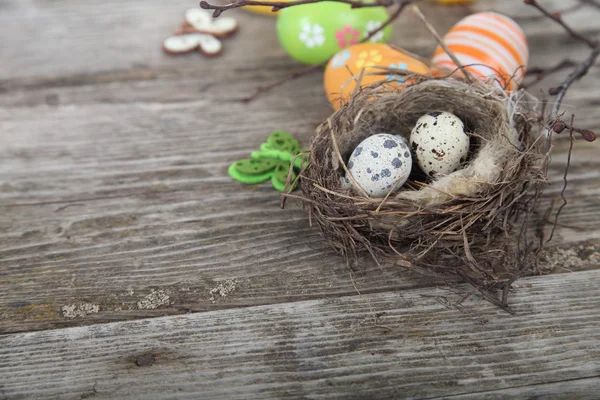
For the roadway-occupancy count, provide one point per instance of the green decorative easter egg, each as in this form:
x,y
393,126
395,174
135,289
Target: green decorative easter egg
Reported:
x,y
312,33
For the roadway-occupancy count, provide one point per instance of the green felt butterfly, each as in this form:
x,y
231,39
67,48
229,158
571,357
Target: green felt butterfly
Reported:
x,y
273,162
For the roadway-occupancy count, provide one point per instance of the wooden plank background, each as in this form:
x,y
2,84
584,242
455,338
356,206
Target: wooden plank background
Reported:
x,y
113,160
424,345
115,205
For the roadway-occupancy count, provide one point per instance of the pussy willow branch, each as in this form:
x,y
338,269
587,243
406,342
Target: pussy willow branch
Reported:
x,y
581,69
297,74
278,5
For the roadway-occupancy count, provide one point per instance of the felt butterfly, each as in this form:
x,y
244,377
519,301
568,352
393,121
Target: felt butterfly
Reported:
x,y
272,162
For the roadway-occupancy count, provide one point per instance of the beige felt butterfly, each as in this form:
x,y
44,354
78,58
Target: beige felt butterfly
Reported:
x,y
186,43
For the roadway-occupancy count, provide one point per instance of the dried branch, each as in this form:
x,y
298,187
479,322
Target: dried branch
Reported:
x,y
558,19
558,126
313,68
542,73
564,11
290,77
394,16
442,44
566,182
581,69
593,3
560,91
278,5
472,10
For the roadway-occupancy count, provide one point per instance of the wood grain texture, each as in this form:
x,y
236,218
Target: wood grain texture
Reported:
x,y
100,219
426,345
66,39
583,388
114,199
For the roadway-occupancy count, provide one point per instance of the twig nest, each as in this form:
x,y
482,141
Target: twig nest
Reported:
x,y
470,222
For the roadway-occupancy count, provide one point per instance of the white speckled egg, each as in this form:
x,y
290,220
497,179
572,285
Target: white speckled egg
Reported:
x,y
439,143
381,162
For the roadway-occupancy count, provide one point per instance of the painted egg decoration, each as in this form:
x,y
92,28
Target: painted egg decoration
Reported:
x,y
489,45
312,33
338,78
439,143
380,163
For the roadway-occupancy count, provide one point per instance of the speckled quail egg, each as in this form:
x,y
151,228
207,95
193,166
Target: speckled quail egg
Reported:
x,y
439,143
380,163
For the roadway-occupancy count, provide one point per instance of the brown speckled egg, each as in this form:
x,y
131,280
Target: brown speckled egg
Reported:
x,y
439,143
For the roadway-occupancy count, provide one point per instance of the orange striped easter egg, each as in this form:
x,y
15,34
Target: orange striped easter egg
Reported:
x,y
490,45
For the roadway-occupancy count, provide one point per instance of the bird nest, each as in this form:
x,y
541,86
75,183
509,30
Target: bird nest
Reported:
x,y
471,223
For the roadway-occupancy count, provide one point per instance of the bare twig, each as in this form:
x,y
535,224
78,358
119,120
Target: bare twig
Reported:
x,y
506,289
442,44
401,6
558,126
581,69
593,3
542,73
290,77
376,316
564,11
314,68
566,182
567,10
486,293
278,5
558,19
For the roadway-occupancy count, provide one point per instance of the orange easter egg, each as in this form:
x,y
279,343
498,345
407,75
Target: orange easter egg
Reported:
x,y
490,45
344,69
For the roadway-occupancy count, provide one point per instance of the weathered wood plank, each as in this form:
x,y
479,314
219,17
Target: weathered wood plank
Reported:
x,y
71,41
111,210
425,345
116,190
584,388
